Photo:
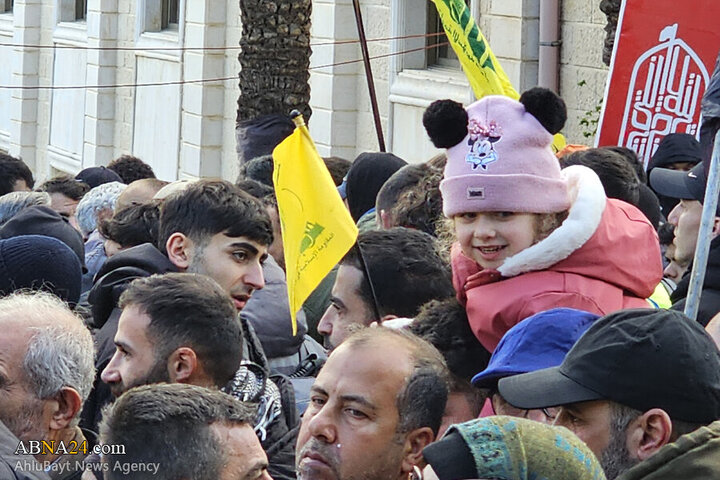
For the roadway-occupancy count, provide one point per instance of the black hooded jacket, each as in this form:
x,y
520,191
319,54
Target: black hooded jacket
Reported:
x,y
277,431
710,296
112,279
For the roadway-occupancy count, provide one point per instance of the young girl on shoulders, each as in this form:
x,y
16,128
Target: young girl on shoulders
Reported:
x,y
531,237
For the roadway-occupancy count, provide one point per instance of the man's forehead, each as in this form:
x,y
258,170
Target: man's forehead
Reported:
x,y
229,240
690,203
592,407
347,283
358,369
132,320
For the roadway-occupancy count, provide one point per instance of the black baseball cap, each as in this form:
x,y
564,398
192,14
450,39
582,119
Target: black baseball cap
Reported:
x,y
688,185
639,358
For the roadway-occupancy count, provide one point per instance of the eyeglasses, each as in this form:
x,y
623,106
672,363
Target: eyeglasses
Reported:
x,y
501,407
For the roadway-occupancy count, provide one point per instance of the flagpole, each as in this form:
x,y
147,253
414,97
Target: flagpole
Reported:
x,y
702,250
297,118
369,75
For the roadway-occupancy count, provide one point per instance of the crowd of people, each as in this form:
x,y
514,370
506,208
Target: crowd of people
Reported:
x,y
507,312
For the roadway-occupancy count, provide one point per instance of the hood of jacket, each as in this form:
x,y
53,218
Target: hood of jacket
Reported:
x,y
120,269
604,239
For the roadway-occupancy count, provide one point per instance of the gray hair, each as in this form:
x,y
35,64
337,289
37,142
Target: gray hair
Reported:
x,y
99,198
14,202
58,355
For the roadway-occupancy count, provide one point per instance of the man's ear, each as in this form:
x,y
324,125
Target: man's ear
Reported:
x,y
66,404
648,433
179,250
182,365
386,220
414,444
716,227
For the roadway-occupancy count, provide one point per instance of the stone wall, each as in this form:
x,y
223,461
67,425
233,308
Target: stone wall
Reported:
x,y
343,123
582,72
183,129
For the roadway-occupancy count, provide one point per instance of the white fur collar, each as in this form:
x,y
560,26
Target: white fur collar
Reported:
x,y
588,201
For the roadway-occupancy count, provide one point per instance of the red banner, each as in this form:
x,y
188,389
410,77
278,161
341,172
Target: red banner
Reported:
x,y
664,55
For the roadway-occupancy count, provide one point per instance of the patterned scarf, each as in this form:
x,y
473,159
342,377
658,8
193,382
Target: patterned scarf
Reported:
x,y
510,448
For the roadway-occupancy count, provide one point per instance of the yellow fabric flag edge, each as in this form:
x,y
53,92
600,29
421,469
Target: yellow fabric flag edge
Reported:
x,y
484,73
306,193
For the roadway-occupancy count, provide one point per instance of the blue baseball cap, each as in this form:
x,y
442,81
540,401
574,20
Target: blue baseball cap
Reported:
x,y
538,342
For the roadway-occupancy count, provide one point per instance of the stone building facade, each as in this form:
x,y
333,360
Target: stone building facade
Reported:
x,y
186,129
406,84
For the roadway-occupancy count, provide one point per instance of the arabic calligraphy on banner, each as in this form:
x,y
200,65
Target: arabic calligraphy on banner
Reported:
x,y
659,73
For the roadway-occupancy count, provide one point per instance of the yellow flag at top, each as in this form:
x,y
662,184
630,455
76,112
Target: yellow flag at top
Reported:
x,y
317,229
482,69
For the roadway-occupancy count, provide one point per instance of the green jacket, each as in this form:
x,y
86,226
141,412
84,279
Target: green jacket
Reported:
x,y
695,456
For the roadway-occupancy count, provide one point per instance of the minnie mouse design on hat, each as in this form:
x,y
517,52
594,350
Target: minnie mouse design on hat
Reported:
x,y
500,154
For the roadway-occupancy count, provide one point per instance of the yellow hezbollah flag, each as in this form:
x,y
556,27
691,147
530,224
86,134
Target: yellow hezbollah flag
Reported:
x,y
482,69
485,74
317,229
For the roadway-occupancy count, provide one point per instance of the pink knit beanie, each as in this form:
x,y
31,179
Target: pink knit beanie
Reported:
x,y
499,155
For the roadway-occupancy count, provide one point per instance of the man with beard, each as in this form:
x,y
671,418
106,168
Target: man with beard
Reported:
x,y
211,228
377,402
215,229
46,372
634,382
174,328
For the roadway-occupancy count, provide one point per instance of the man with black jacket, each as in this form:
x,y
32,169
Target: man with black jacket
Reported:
x,y
689,187
215,229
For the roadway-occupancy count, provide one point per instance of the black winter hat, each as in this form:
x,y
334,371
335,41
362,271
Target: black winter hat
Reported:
x,y
42,220
37,262
95,176
676,147
367,174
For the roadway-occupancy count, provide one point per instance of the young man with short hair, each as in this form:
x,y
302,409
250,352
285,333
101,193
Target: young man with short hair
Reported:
x,y
386,274
187,432
689,187
214,229
65,194
175,328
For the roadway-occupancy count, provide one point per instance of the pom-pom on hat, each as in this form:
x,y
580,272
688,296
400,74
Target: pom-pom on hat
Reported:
x,y
499,153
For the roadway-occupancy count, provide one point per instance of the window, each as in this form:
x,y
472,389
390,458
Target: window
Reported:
x,y
71,10
6,6
161,15
170,16
80,9
442,55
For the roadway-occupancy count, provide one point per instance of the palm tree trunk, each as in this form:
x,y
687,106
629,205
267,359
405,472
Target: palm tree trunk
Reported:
x,y
274,58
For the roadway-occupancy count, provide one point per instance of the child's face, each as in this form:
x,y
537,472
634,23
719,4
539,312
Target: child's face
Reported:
x,y
491,237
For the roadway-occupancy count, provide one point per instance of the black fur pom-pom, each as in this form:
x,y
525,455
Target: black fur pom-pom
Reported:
x,y
547,107
446,123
